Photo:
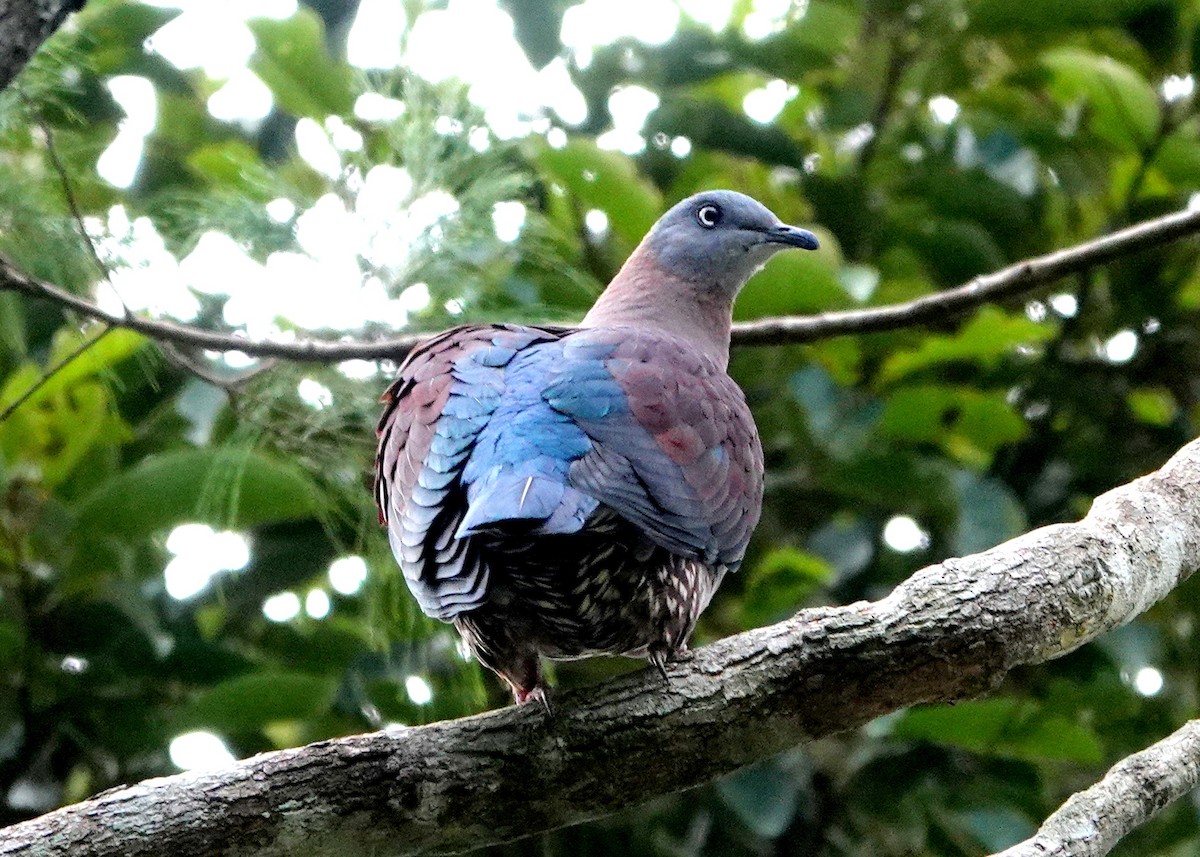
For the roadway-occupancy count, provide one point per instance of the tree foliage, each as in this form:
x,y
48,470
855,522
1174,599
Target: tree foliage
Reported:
x,y
926,142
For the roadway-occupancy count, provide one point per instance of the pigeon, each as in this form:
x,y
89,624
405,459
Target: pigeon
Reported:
x,y
565,492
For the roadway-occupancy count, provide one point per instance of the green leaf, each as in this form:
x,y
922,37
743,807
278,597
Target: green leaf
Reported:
x,y
989,336
292,61
1122,105
607,181
1003,16
1178,158
250,702
842,420
764,797
72,411
953,250
234,165
778,584
113,346
1154,406
1011,728
995,827
226,487
989,514
968,424
796,283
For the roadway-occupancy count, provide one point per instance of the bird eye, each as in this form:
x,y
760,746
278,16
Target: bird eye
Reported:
x,y
708,215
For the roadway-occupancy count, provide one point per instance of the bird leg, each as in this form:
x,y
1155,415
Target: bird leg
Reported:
x,y
527,681
659,658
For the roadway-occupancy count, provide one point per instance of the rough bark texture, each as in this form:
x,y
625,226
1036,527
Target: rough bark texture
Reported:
x,y
1134,791
951,631
24,25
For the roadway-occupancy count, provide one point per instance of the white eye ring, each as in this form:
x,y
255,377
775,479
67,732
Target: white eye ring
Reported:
x,y
708,215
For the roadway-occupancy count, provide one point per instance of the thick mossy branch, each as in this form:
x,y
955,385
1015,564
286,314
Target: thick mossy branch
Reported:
x,y
952,631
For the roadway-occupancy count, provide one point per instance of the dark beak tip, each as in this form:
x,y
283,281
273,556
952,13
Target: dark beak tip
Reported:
x,y
796,237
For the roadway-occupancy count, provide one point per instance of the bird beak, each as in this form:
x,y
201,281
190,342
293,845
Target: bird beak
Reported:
x,y
792,236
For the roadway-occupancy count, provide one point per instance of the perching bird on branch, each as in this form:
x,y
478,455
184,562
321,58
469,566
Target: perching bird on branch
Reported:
x,y
566,492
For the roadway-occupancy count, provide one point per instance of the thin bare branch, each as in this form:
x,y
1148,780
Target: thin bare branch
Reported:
x,y
951,631
41,382
229,382
1008,282
1133,791
64,182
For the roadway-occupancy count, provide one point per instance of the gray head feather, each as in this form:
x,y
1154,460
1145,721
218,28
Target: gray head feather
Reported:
x,y
721,238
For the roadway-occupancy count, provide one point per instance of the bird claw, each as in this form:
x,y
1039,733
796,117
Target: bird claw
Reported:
x,y
660,659
537,694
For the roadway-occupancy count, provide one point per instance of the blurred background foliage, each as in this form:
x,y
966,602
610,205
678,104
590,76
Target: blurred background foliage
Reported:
x,y
190,567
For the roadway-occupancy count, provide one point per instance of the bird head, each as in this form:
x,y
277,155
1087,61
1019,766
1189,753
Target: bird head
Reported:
x,y
720,238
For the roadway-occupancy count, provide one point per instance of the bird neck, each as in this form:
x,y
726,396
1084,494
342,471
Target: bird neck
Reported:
x,y
642,294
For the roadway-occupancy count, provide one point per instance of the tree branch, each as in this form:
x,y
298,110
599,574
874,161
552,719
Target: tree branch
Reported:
x,y
1008,282
1132,792
24,25
952,631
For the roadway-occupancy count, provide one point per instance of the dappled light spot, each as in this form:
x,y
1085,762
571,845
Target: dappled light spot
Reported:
x,y
596,222
769,17
1120,347
1065,305
418,690
317,604
200,750
200,553
853,140
630,106
347,574
764,104
144,275
208,37
681,147
244,99
281,210
343,137
1177,87
508,219
715,14
314,394
316,149
374,39
358,370
904,535
944,109
74,665
375,107
1148,681
415,298
593,23
118,165
282,607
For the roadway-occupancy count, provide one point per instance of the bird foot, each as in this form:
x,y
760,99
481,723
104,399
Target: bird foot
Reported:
x,y
660,658
537,693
